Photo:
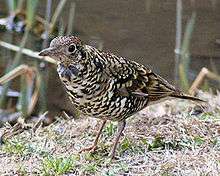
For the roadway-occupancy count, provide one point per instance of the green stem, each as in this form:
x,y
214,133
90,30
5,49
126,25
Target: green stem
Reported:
x,y
15,63
23,97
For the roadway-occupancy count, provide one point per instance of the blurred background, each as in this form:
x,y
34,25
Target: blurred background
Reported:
x,y
175,38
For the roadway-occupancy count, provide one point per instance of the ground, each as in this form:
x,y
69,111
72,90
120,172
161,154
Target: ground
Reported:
x,y
172,138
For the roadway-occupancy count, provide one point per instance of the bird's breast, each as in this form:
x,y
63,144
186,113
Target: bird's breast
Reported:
x,y
96,95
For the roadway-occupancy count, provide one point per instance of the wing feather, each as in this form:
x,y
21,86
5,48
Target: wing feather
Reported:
x,y
137,80
133,79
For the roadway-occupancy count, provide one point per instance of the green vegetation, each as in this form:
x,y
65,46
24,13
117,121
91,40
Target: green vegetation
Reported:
x,y
89,168
57,165
110,129
14,147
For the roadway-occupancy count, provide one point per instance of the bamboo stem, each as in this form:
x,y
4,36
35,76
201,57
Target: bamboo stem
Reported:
x,y
178,38
30,73
13,74
56,14
71,18
15,63
27,52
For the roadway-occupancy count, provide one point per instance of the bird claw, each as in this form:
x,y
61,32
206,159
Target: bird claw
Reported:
x,y
90,149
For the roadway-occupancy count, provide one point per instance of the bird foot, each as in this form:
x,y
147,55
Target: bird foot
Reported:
x,y
90,149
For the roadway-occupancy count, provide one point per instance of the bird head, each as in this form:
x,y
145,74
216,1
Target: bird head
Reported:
x,y
65,49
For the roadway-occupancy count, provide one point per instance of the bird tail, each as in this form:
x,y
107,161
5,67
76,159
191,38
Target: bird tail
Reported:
x,y
186,97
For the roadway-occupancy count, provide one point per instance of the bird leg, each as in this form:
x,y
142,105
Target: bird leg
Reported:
x,y
94,145
121,126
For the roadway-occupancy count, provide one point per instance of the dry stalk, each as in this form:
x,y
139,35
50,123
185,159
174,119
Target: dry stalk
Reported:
x,y
200,78
30,73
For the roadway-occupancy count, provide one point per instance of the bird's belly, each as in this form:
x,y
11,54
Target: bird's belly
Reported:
x,y
93,100
103,108
99,104
106,107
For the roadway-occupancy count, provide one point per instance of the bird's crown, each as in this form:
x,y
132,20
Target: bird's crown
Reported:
x,y
65,40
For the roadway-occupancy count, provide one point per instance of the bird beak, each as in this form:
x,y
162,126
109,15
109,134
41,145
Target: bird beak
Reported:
x,y
47,52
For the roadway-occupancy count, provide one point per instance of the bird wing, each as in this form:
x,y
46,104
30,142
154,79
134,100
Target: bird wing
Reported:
x,y
137,80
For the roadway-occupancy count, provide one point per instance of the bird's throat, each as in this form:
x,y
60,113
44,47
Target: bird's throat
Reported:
x,y
67,71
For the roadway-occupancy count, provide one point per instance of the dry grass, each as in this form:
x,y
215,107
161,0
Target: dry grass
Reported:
x,y
172,138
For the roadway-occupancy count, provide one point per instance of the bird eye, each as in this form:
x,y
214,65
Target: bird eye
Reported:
x,y
72,48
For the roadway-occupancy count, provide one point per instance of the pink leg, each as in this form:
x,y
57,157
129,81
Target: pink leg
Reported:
x,y
94,145
121,126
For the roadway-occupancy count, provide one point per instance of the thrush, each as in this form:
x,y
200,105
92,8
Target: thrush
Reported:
x,y
105,86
